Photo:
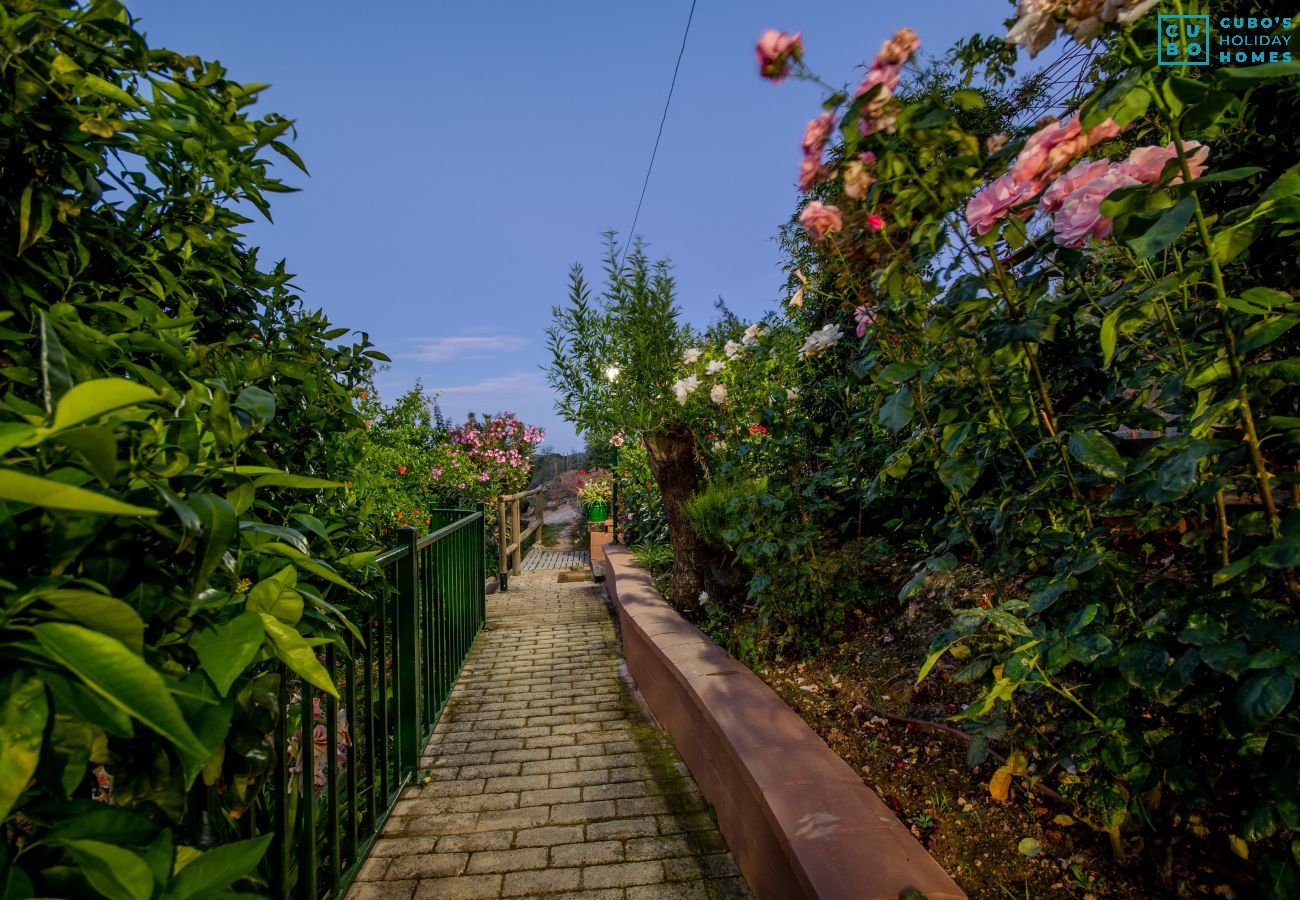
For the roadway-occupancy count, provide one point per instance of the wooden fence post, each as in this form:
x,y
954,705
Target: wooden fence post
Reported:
x,y
514,533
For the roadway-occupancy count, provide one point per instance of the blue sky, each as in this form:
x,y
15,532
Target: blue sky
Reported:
x,y
463,155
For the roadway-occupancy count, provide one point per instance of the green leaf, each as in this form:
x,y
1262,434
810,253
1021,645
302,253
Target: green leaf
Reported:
x,y
959,473
107,89
1029,847
218,868
97,445
284,479
1264,695
115,873
290,536
1165,230
1261,334
1245,76
44,492
22,727
14,433
107,667
1094,450
100,612
305,562
54,365
896,412
218,520
1142,663
273,597
297,654
226,650
1109,336
92,399
258,403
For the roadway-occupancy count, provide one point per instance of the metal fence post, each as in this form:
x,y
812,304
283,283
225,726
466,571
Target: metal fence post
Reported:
x,y
481,576
406,654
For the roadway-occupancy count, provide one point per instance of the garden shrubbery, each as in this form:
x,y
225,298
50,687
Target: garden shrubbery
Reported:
x,y
1065,353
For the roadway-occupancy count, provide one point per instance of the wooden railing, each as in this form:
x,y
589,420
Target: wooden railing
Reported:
x,y
512,533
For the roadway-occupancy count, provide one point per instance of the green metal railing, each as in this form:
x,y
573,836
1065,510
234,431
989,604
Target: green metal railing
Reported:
x,y
328,796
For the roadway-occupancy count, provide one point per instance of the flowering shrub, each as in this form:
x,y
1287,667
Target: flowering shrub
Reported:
x,y
1026,304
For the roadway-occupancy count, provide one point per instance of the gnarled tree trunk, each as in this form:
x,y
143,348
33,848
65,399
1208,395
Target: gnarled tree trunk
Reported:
x,y
672,462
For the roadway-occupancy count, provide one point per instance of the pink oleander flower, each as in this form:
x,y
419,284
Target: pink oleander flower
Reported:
x,y
874,222
1080,215
864,316
1146,164
775,49
819,219
991,204
617,440
1068,183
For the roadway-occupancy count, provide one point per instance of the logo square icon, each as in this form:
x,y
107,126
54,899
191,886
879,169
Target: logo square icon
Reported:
x,y
1184,40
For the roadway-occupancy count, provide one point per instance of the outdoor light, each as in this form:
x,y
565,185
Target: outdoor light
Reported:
x,y
611,373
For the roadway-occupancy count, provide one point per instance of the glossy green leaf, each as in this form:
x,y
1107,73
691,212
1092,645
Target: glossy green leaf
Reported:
x,y
89,400
55,376
104,614
297,654
217,518
1263,696
23,713
258,403
23,488
115,873
274,597
307,564
897,410
106,666
1094,450
284,479
1166,228
226,650
218,868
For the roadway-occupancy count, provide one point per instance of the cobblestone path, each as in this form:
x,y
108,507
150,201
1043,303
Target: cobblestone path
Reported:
x,y
545,777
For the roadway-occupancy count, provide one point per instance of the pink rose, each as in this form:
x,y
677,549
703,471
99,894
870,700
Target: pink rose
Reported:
x,y
1080,215
774,50
815,135
809,169
1054,146
1147,163
818,219
1071,181
874,222
857,180
987,207
899,48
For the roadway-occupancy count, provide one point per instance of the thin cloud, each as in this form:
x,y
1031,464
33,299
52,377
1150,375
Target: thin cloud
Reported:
x,y
499,387
462,347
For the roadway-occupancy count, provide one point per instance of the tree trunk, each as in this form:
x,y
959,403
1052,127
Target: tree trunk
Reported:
x,y
672,462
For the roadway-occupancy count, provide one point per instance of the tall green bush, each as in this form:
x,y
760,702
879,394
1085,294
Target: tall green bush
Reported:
x,y
175,430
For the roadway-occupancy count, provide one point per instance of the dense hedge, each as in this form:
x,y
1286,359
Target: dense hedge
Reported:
x,y
175,428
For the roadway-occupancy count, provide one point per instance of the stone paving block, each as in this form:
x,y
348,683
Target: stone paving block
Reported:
x,y
622,828
549,836
401,846
479,840
463,887
544,881
426,865
382,890
568,813
524,817
507,860
622,874
661,847
587,853
618,791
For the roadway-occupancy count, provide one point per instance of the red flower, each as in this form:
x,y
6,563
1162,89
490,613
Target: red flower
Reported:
x,y
361,394
582,471
401,470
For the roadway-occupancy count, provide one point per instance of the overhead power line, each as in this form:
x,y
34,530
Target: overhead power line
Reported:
x,y
655,152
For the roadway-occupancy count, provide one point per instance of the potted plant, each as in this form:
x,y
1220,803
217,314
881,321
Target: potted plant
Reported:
x,y
594,490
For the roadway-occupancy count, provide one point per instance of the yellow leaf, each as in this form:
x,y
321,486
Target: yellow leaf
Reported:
x,y
1017,763
1000,784
997,672
1239,846
959,651
1063,820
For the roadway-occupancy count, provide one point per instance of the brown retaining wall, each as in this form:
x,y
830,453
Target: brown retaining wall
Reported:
x,y
799,821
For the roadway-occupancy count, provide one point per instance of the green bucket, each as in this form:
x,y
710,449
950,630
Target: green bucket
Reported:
x,y
598,512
